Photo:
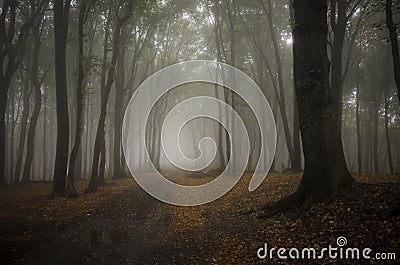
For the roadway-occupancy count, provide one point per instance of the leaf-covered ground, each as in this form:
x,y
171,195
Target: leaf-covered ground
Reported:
x,y
121,224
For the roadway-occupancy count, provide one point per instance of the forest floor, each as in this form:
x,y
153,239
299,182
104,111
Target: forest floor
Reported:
x,y
121,224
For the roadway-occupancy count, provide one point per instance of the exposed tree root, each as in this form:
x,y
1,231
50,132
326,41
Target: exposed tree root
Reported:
x,y
72,193
299,203
95,183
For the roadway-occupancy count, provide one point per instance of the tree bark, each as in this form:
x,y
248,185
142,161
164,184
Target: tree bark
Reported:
x,y
99,142
325,167
358,121
282,96
395,44
339,30
61,16
71,192
387,122
36,85
11,50
22,136
376,133
118,106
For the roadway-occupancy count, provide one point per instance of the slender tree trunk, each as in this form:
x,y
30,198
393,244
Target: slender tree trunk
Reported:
x,y
296,166
376,135
370,146
358,121
219,59
387,132
12,132
100,135
102,164
38,101
5,76
22,136
71,192
395,43
282,96
87,137
45,100
339,25
61,15
118,107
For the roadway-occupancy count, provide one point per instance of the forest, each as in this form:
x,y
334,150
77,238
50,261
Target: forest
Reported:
x,y
276,122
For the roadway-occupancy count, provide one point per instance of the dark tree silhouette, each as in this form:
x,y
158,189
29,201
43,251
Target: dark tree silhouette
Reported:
x,y
395,43
396,63
61,16
83,10
325,167
36,85
99,142
12,47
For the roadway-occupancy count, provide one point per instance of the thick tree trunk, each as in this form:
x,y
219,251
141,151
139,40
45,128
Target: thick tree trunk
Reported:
x,y
325,167
61,14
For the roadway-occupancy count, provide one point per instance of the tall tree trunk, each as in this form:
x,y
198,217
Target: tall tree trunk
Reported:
x,y
387,132
118,106
45,100
100,142
219,59
358,121
395,43
8,61
376,135
102,164
71,192
12,47
296,163
281,96
339,24
12,132
61,16
369,135
34,75
22,136
325,166
3,106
